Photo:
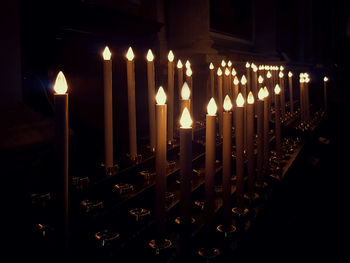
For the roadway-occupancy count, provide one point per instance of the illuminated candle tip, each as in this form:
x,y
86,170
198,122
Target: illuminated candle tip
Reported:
x,y
266,92
247,65
281,74
186,120
130,54
150,56
325,79
189,72
261,94
223,63
260,79
233,72
187,64
250,99
229,63
211,66
185,91
277,89
212,108
268,75
290,74
243,80
227,103
160,97
171,56
219,72
106,53
60,86
236,81
179,64
240,100
227,72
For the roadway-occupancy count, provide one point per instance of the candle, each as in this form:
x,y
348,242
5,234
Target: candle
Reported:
x,y
325,104
189,78
239,152
212,89
282,96
260,141
254,80
61,149
278,123
151,95
269,87
180,77
290,82
227,160
220,98
131,103
247,66
210,135
108,110
302,99
229,65
170,96
185,97
227,81
250,145
187,64
244,92
307,100
185,167
161,162
235,90
223,63
266,130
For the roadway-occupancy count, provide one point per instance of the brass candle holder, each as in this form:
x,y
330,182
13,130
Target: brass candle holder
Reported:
x,y
111,170
106,237
140,214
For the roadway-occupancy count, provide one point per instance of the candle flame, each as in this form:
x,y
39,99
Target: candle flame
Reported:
x,y
227,103
243,80
179,64
240,100
254,67
267,67
150,56
302,80
281,68
186,120
281,75
266,92
212,108
290,74
60,86
260,79
233,72
227,72
307,79
325,79
189,72
171,56
236,81
130,54
247,65
250,99
185,91
229,63
223,63
277,89
268,75
187,64
106,53
219,72
261,94
211,66
160,97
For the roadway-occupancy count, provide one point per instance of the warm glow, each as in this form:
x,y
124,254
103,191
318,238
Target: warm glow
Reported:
x,y
150,56
223,63
266,92
219,72
281,74
229,63
277,89
254,67
227,72
171,56
260,79
106,54
250,99
301,80
227,103
268,75
130,54
240,100
236,81
267,67
281,68
160,97
211,66
189,72
307,79
186,120
243,80
212,108
179,64
290,74
325,79
185,91
187,64
261,94
247,65
60,86
233,72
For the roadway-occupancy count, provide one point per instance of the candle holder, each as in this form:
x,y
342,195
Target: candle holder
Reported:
x,y
171,165
111,170
80,183
198,172
178,221
124,188
43,230
135,159
91,206
238,214
209,254
169,198
172,143
199,204
251,198
40,199
106,237
227,230
147,175
152,149
140,214
160,246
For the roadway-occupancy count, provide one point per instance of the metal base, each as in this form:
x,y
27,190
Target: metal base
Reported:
x,y
140,214
253,197
136,159
240,214
264,185
160,246
111,170
226,229
209,253
178,220
106,237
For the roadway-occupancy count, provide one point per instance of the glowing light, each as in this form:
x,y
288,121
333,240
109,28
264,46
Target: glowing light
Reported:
x,y
281,68
150,56
189,72
247,65
325,79
268,75
179,64
229,63
240,100
227,72
187,64
277,89
185,91
227,103
266,92
236,81
223,63
243,80
260,79
212,108
186,120
160,97
281,75
106,54
171,56
290,74
254,67
233,72
60,86
250,99
211,66
130,54
219,72
261,94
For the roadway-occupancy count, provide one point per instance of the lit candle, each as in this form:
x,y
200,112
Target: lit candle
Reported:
x,y
235,90
185,167
185,97
254,87
290,82
212,89
266,130
220,98
210,136
269,88
131,103
223,63
302,99
108,111
227,160
161,162
325,80
227,81
61,149
307,99
239,152
189,78
187,64
244,92
151,95
278,123
229,65
250,145
170,96
260,141
282,96
247,66
180,80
